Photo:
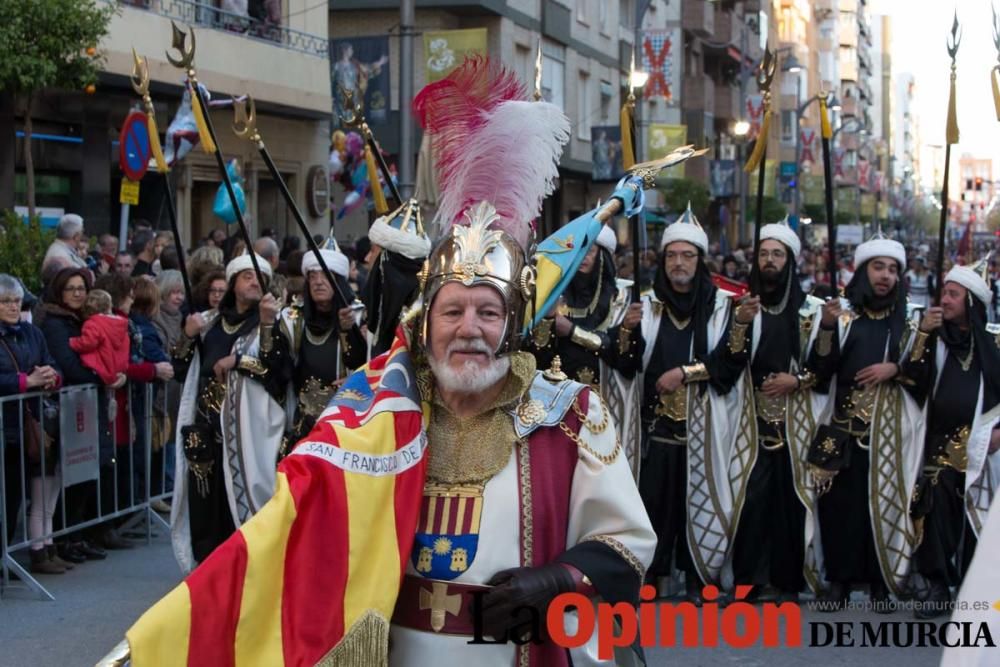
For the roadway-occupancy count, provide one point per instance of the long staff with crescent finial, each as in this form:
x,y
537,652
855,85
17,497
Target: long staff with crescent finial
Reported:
x,y
951,137
245,127
206,131
140,83
629,157
758,158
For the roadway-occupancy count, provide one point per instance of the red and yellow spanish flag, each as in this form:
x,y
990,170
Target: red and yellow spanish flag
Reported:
x,y
313,577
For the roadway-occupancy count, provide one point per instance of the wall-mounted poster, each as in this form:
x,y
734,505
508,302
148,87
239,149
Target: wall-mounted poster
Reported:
x,y
606,153
360,71
660,140
722,178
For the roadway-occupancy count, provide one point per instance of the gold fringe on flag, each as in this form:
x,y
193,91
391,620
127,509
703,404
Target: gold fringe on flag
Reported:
x,y
381,206
824,120
204,136
628,141
761,143
154,144
951,132
366,644
995,80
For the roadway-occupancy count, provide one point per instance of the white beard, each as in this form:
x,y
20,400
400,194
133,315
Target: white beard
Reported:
x,y
471,377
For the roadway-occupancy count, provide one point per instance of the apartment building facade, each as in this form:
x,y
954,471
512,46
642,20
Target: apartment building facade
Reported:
x,y
282,62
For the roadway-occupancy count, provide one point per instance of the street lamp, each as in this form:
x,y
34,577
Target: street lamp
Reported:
x,y
741,128
638,78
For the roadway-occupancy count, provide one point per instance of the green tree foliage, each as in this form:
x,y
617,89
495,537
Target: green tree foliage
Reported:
x,y
677,192
49,44
774,210
22,248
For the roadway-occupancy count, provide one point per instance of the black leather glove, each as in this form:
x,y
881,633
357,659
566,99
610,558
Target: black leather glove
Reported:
x,y
522,587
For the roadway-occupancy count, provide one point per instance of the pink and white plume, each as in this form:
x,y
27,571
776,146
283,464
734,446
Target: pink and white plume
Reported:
x,y
491,144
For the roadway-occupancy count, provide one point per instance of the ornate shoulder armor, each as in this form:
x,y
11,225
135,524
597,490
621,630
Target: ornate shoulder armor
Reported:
x,y
544,404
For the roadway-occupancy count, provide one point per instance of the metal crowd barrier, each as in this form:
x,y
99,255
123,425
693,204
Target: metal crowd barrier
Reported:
x,y
109,481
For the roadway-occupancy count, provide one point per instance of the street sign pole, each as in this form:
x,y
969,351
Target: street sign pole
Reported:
x,y
133,158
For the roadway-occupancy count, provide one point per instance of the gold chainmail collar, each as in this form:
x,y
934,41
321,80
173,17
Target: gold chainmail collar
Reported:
x,y
473,450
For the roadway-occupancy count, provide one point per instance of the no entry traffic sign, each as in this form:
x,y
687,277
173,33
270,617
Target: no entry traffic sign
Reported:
x,y
133,147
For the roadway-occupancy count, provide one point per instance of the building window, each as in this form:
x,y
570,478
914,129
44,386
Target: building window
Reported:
x,y
607,92
583,107
554,74
581,11
602,16
524,64
626,14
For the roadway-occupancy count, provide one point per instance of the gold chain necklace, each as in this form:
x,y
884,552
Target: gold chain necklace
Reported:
x,y
230,329
967,362
579,313
878,314
318,341
680,324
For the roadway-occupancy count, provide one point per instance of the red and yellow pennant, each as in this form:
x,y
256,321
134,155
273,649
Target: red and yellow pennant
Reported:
x,y
310,577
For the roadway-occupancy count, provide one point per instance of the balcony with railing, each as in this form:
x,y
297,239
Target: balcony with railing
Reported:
x,y
205,15
236,53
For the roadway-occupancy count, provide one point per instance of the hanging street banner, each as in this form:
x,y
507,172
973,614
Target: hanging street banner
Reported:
x,y
660,140
867,205
660,56
770,179
809,147
846,201
754,110
361,68
812,188
444,50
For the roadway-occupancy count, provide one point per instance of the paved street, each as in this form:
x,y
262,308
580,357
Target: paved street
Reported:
x,y
98,601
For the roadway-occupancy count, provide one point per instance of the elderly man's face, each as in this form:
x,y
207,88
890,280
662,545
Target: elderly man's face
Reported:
x,y
953,298
465,327
681,262
247,288
320,290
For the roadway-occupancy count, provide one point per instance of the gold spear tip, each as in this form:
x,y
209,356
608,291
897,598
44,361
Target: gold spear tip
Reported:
x,y
538,71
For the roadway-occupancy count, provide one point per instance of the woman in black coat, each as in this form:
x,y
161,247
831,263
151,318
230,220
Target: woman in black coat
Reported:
x,y
61,320
26,366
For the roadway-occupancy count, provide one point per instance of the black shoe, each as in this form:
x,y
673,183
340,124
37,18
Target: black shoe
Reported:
x,y
880,600
112,540
937,603
71,552
787,596
692,588
90,551
833,598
